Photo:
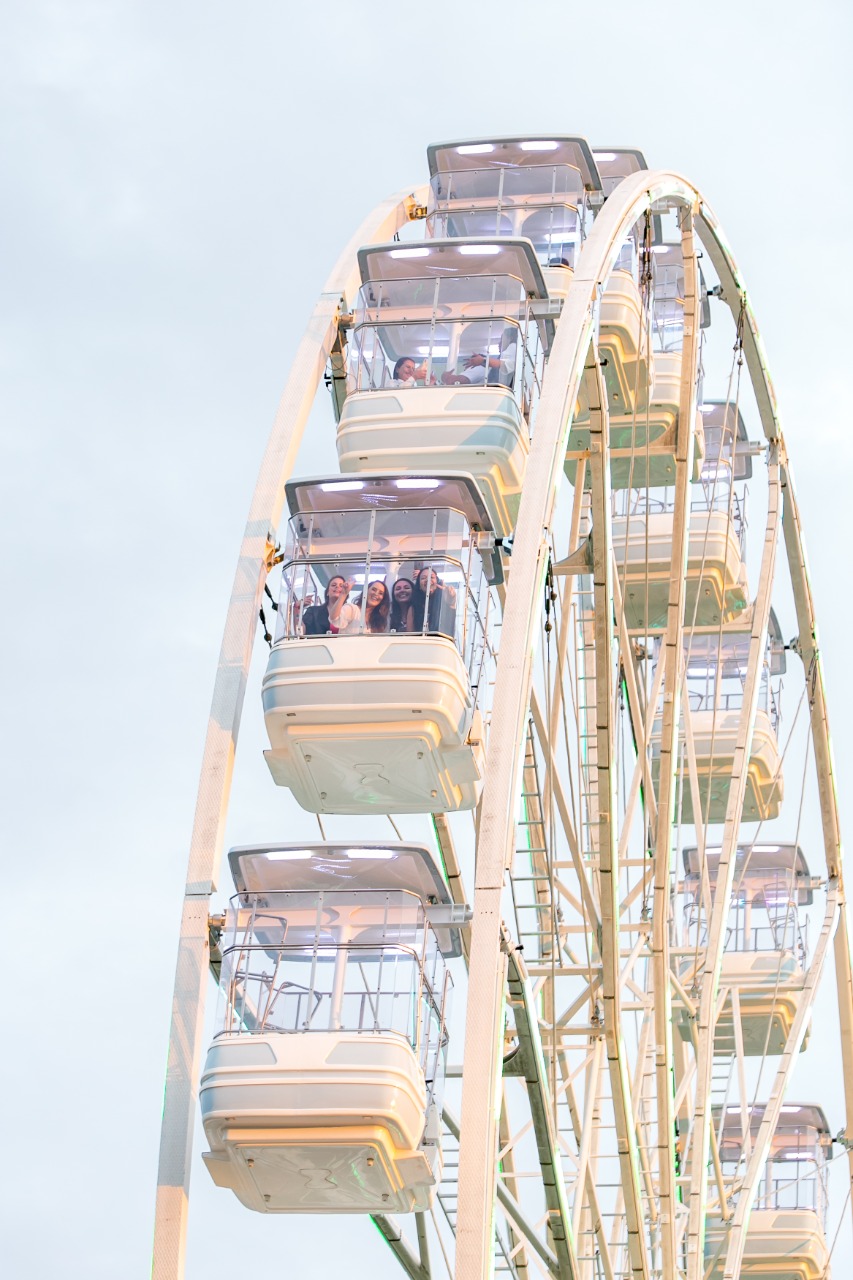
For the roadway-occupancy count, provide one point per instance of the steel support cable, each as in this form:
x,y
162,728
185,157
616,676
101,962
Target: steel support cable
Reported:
x,y
725,875
258,545
512,695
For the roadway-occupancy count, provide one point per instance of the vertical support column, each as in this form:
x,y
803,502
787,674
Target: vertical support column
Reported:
x,y
707,1017
620,1081
673,667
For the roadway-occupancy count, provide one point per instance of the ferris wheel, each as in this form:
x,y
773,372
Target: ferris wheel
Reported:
x,y
542,616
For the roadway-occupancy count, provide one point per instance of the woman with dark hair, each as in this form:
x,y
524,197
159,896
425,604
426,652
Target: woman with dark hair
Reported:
x,y
335,614
401,604
408,374
377,608
436,601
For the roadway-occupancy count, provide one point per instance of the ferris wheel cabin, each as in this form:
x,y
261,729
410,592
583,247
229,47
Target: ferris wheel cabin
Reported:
x,y
379,709
642,530
541,189
321,1092
464,323
716,668
643,442
766,954
786,1237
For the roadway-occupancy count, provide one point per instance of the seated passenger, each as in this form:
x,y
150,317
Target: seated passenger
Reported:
x,y
401,604
376,610
496,370
335,614
437,601
408,374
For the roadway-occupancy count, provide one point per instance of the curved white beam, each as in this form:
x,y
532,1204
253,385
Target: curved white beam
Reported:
x,y
241,622
519,635
734,293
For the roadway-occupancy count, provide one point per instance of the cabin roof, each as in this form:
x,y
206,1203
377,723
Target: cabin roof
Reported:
x,y
515,151
459,256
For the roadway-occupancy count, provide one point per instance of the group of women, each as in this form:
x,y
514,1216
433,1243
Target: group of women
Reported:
x,y
424,605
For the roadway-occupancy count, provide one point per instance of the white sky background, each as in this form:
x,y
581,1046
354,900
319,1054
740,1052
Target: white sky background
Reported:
x,y
178,180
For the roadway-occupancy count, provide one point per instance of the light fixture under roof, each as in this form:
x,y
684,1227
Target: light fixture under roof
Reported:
x,y
604,156
417,484
475,149
342,486
479,250
410,253
539,146
288,855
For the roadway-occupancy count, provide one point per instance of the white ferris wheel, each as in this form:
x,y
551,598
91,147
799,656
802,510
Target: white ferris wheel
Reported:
x,y
541,619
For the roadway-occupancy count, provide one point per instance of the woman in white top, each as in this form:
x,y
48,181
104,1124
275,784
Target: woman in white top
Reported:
x,y
408,374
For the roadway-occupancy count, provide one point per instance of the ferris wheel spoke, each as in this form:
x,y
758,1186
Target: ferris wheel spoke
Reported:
x,y
707,1015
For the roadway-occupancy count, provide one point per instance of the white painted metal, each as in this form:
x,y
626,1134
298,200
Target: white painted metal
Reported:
x,y
643,1089
191,977
512,696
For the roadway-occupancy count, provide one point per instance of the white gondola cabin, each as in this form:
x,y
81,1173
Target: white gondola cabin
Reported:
x,y
786,1237
716,588
642,446
538,188
615,164
321,1092
445,364
766,950
374,690
716,669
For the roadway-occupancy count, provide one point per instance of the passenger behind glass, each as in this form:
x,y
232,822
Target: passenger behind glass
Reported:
x,y
377,609
408,374
401,604
481,368
437,601
335,614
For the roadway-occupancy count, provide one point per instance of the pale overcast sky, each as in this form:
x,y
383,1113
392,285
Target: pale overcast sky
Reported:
x,y
178,179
